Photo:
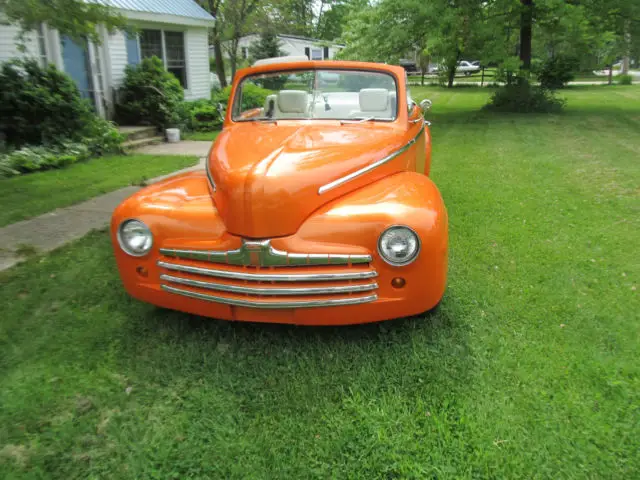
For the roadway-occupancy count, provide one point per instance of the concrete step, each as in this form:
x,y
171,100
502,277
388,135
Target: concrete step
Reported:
x,y
141,142
137,132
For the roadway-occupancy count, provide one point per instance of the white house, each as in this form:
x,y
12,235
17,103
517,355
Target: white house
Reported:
x,y
313,48
174,30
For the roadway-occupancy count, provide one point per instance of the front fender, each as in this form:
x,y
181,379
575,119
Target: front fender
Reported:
x,y
359,218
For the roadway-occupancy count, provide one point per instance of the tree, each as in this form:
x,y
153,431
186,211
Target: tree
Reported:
x,y
446,29
331,15
237,14
295,17
621,20
214,8
75,18
268,46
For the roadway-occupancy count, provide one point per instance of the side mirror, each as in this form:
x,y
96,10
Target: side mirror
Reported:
x,y
425,105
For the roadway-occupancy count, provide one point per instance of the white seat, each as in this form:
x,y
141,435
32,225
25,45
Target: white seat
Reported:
x,y
292,104
373,102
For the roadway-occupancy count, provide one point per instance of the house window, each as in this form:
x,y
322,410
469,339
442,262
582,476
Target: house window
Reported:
x,y
176,61
151,44
42,46
316,54
167,46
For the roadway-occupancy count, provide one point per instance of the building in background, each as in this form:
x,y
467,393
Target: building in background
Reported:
x,y
176,31
295,45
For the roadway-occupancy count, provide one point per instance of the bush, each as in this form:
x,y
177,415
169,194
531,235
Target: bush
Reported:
x,y
253,96
202,115
625,79
40,105
557,71
150,95
522,97
30,158
102,137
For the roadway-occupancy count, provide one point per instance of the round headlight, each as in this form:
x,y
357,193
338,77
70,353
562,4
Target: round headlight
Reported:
x,y
399,245
135,238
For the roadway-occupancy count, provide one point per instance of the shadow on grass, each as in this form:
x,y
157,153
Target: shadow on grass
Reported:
x,y
302,364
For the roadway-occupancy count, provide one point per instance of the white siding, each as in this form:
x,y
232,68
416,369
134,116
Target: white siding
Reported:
x,y
290,46
9,45
117,57
198,79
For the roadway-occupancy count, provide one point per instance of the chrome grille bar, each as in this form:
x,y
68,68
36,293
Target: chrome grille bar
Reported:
x,y
261,253
270,277
253,303
271,290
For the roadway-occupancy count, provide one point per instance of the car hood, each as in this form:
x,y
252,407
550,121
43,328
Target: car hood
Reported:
x,y
267,175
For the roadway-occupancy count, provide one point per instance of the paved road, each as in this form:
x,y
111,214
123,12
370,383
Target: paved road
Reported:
x,y
63,225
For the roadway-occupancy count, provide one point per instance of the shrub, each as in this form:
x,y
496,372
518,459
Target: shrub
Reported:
x,y
522,97
30,158
6,170
102,137
202,115
149,95
39,105
253,96
557,71
625,79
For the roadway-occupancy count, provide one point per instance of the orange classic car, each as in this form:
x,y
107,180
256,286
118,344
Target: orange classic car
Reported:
x,y
315,207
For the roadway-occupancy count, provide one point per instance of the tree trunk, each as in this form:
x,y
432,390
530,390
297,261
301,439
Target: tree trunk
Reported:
x,y
627,47
422,79
451,70
233,59
452,76
526,22
233,55
217,51
611,74
213,8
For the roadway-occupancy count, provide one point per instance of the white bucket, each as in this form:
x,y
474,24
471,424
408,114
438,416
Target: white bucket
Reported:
x,y
173,135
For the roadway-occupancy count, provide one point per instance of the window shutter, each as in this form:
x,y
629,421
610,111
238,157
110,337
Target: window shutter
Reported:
x,y
326,53
133,54
307,52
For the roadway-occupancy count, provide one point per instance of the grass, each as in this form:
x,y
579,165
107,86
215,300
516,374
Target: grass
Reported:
x,y
205,136
529,369
33,194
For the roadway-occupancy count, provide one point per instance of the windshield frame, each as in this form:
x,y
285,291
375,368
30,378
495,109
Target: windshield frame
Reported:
x,y
237,92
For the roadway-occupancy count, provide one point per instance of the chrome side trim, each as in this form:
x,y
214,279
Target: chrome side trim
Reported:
x,y
261,253
332,302
368,168
208,170
270,290
270,277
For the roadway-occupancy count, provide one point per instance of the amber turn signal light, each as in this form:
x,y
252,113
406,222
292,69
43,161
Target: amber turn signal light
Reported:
x,y
398,282
143,272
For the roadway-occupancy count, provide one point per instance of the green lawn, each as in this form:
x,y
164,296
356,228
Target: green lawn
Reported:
x,y
201,135
529,369
29,195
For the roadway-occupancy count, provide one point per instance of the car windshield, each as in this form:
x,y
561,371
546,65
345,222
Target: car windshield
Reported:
x,y
349,95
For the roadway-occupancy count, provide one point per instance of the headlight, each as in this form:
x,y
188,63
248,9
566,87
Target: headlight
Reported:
x,y
135,238
399,245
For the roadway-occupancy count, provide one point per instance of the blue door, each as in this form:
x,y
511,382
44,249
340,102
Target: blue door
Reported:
x,y
76,64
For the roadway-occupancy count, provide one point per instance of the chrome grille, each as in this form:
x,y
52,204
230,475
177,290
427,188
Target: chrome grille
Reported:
x,y
259,276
